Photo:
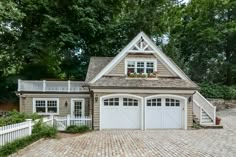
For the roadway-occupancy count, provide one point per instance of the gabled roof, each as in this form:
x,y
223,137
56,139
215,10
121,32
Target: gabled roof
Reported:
x,y
96,64
146,46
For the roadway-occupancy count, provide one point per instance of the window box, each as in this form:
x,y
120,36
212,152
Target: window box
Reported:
x,y
142,75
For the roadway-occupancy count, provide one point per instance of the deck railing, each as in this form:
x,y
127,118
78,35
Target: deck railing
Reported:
x,y
51,86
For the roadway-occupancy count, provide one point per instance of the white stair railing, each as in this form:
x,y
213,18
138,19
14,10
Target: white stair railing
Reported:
x,y
199,100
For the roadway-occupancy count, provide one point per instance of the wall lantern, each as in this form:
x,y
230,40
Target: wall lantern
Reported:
x,y
96,98
66,103
190,99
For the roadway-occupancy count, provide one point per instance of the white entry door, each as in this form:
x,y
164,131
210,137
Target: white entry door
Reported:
x,y
77,107
120,113
163,113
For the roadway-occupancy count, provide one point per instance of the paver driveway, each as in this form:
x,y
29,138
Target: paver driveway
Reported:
x,y
209,142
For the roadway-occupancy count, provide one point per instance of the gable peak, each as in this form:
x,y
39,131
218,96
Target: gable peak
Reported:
x,y
141,45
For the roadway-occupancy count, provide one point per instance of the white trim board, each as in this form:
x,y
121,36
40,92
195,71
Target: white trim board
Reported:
x,y
72,105
123,53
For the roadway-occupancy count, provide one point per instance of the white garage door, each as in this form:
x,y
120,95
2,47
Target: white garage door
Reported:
x,y
162,113
120,113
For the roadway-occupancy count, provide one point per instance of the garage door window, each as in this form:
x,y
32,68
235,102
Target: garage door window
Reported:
x,y
130,102
154,102
111,102
172,102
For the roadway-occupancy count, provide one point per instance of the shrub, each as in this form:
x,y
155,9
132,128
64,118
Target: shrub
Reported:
x,y
77,129
43,130
17,117
217,91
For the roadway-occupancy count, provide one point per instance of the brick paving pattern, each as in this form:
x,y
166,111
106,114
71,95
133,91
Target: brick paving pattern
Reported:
x,y
151,143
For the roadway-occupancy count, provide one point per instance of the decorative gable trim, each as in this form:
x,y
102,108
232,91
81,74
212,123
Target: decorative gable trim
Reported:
x,y
147,46
141,46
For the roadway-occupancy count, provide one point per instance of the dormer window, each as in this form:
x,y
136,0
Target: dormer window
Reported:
x,y
137,66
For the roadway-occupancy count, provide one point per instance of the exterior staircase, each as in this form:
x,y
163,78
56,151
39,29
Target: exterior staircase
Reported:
x,y
204,113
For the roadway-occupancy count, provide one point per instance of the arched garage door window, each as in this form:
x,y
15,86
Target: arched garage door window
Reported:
x,y
120,101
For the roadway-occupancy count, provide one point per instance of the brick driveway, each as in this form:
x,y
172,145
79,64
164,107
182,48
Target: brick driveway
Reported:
x,y
168,143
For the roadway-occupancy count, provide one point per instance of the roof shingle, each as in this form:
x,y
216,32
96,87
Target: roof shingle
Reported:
x,y
123,82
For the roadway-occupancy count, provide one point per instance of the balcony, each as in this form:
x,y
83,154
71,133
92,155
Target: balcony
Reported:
x,y
51,86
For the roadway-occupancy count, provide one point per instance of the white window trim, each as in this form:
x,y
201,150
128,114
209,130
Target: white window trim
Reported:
x,y
145,60
72,105
45,99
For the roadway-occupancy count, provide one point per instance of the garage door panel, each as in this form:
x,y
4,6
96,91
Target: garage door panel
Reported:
x,y
153,118
126,115
172,118
166,114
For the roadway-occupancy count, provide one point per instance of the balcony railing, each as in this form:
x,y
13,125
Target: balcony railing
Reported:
x,y
51,86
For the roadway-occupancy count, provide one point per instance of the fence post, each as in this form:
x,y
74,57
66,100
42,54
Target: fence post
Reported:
x,y
68,85
19,85
68,120
30,125
51,119
44,85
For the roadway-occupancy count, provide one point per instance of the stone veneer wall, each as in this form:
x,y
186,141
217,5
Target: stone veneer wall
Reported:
x,y
222,104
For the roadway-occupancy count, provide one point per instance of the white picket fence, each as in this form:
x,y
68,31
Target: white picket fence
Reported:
x,y
61,123
12,132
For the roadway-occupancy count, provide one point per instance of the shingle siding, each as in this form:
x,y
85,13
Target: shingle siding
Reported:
x,y
26,102
120,67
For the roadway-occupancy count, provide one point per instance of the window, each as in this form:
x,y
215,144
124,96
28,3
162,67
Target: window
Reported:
x,y
141,66
131,67
130,102
111,102
46,106
149,67
172,102
154,102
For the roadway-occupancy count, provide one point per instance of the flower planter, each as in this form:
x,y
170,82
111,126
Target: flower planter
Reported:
x,y
218,120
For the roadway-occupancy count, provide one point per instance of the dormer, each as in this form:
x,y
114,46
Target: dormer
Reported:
x,y
141,58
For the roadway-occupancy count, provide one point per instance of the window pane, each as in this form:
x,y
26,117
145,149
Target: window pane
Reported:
x,y
39,103
105,103
52,103
149,70
52,110
140,70
40,109
131,64
140,64
150,64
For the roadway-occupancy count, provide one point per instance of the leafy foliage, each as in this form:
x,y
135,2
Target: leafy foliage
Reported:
x,y
17,117
218,91
77,129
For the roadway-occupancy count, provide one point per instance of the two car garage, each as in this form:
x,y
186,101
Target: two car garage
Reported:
x,y
134,112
